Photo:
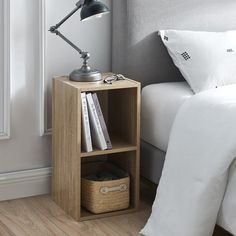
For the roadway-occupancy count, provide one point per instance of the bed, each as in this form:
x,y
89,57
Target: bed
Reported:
x,y
160,104
139,54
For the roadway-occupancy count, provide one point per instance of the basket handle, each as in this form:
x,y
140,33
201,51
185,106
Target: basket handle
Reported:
x,y
120,188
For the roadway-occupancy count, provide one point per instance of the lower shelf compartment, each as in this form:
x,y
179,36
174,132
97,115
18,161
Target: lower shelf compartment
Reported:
x,y
86,215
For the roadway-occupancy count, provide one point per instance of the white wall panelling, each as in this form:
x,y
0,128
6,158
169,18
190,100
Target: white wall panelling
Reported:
x,y
57,58
4,69
35,56
25,183
42,96
25,150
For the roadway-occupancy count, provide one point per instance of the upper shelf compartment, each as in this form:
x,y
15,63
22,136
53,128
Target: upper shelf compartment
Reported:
x,y
121,114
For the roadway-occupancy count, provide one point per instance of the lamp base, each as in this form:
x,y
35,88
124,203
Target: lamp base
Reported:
x,y
82,76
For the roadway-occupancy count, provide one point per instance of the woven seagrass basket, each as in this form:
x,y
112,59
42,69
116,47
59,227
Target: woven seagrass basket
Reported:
x,y
105,196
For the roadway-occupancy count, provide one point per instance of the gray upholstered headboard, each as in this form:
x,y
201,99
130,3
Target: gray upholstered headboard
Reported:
x,y
137,48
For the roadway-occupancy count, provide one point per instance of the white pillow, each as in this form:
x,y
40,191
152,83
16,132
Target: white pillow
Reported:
x,y
206,59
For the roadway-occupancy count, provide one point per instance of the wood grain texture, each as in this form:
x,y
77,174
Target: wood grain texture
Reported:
x,y
99,86
118,145
40,216
66,148
120,103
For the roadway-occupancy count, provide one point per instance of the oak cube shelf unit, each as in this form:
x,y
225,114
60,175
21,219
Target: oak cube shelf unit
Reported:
x,y
120,103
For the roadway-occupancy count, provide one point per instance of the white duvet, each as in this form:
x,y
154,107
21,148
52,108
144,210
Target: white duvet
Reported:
x,y
198,183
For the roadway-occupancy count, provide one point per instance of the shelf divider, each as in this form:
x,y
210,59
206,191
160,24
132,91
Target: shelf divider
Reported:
x,y
118,145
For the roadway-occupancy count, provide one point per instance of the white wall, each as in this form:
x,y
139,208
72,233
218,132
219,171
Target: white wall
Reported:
x,y
26,149
93,36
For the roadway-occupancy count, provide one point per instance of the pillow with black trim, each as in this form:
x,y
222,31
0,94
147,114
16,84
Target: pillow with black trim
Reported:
x,y
206,59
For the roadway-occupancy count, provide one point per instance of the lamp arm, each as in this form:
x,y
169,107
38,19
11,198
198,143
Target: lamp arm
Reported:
x,y
68,41
54,29
79,4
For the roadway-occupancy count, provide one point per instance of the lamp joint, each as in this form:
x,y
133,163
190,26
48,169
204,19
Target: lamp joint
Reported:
x,y
80,3
53,29
85,55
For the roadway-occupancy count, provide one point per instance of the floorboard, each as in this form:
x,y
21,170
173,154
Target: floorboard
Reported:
x,y
40,216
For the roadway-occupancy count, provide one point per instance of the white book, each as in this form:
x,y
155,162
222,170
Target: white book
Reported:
x,y
102,120
86,134
96,129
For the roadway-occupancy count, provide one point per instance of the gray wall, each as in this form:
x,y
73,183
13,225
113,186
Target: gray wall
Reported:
x,y
26,149
137,49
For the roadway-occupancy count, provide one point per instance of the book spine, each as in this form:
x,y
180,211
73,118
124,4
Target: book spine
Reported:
x,y
102,120
86,133
97,134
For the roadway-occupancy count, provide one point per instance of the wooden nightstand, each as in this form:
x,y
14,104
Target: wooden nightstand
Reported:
x,y
120,104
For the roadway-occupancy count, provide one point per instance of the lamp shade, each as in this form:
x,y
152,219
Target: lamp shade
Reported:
x,y
93,8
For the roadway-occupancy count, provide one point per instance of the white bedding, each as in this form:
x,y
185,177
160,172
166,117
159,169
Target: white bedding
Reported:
x,y
199,175
160,104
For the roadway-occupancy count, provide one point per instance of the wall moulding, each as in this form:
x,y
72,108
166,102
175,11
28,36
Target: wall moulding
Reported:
x,y
5,134
44,130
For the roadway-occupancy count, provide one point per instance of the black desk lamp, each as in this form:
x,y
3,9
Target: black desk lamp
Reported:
x,y
90,9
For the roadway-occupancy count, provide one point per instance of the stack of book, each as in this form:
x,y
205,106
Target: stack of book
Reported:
x,y
94,129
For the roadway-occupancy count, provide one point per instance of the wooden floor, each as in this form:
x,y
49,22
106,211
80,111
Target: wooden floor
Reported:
x,y
40,216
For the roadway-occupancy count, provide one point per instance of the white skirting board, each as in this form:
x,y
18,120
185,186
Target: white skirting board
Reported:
x,y
25,183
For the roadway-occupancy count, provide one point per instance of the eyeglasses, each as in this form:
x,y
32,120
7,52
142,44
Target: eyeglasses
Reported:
x,y
113,78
